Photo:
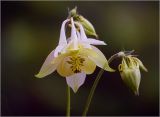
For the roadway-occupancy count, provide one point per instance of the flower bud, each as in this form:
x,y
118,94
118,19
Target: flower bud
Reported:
x,y
73,12
130,72
88,27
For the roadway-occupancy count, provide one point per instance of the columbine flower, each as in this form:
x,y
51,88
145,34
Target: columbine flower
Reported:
x,y
130,71
75,58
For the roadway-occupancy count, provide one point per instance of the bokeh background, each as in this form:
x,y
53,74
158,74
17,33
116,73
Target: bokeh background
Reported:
x,y
30,31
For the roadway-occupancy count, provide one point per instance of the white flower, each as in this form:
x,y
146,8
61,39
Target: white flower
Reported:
x,y
75,58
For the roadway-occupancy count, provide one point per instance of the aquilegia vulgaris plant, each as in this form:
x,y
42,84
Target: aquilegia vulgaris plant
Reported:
x,y
75,56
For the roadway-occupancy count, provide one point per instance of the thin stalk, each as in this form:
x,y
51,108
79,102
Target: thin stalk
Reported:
x,y
68,101
89,99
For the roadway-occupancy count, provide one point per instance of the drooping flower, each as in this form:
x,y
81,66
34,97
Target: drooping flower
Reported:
x,y
74,58
130,71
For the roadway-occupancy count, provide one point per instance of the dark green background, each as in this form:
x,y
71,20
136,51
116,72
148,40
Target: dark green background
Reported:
x,y
30,31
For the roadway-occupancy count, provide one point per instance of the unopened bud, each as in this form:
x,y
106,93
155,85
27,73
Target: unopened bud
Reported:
x,y
130,72
88,27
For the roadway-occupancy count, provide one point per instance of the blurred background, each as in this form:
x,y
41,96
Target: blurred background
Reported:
x,y
30,31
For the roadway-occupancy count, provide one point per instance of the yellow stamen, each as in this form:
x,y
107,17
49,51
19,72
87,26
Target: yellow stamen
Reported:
x,y
76,62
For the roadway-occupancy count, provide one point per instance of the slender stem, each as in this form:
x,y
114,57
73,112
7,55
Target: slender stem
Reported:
x,y
89,99
92,92
68,101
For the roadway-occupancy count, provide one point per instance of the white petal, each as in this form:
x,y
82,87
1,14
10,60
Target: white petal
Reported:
x,y
78,35
86,45
47,67
74,35
62,39
76,80
58,49
82,42
88,40
69,45
95,42
69,39
82,32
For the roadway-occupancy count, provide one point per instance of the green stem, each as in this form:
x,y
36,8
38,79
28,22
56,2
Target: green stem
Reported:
x,y
68,101
92,92
89,99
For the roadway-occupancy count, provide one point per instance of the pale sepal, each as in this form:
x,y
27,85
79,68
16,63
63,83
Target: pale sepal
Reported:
x,y
95,42
47,67
76,80
98,57
58,49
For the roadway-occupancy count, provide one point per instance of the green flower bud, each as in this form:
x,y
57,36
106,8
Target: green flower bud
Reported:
x,y
73,12
88,27
130,72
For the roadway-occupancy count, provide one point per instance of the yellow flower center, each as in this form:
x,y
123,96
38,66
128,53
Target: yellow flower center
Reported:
x,y
76,62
